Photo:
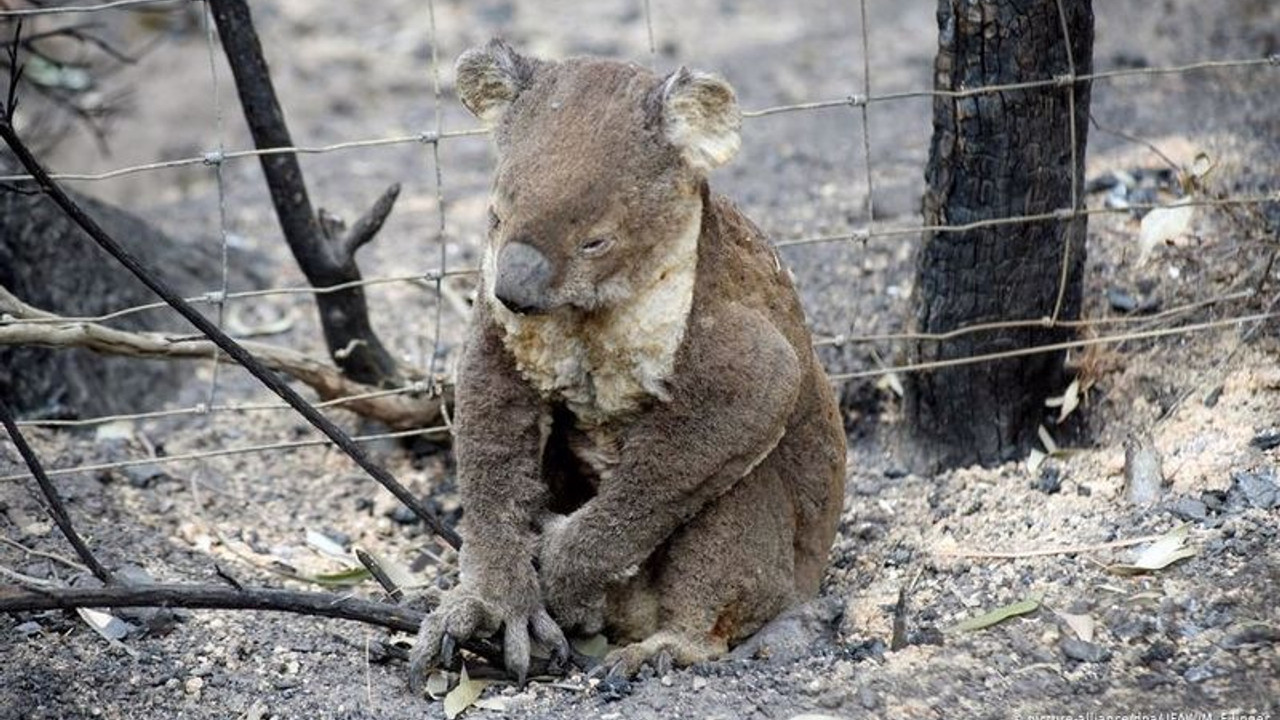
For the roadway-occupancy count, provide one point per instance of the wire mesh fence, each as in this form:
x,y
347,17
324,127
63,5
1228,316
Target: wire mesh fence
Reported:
x,y
1163,324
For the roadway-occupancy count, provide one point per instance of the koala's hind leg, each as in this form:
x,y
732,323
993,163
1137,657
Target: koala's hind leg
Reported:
x,y
715,582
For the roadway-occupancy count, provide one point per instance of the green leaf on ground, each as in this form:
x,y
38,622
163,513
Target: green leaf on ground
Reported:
x,y
999,615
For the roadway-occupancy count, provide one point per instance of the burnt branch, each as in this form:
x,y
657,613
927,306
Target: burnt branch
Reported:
x,y
215,334
57,510
366,228
400,412
214,597
326,261
400,618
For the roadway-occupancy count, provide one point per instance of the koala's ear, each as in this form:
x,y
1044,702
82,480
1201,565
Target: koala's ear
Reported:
x,y
700,116
490,77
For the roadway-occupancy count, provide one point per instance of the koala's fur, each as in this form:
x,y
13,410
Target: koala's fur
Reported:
x,y
646,442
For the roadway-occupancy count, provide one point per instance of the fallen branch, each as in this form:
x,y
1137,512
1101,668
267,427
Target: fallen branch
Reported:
x,y
400,412
395,617
56,507
214,597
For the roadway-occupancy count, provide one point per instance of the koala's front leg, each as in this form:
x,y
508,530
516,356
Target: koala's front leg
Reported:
x,y
498,446
734,389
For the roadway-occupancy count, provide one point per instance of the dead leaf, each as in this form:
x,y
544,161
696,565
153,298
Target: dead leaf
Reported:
x,y
117,430
1067,402
464,695
1170,548
1050,446
437,684
326,545
1034,460
892,383
1162,225
105,624
497,704
1082,625
998,615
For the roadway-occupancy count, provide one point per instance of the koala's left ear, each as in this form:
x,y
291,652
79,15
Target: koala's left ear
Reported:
x,y
700,116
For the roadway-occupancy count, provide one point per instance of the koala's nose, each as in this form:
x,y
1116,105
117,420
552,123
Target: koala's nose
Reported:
x,y
524,276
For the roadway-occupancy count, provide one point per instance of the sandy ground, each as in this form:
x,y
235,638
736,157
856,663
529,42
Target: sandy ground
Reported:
x,y
1199,636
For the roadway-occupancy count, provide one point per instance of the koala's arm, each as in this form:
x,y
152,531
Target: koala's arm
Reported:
x,y
498,446
726,413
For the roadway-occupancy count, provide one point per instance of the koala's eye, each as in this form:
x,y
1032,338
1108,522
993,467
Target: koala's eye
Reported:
x,y
494,220
595,246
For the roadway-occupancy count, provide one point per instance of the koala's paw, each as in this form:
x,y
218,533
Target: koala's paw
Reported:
x,y
577,605
464,614
662,650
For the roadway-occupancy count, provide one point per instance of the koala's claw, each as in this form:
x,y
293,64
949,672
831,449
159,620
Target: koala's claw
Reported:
x,y
462,615
447,646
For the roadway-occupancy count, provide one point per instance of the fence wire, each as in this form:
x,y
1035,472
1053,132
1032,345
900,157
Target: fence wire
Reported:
x,y
433,279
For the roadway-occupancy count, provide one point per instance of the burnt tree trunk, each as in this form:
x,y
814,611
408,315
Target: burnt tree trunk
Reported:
x,y
325,256
999,155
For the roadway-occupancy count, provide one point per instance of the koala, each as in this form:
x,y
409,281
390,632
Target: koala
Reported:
x,y
646,443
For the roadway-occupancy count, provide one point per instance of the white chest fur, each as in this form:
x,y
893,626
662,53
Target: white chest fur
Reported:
x,y
605,364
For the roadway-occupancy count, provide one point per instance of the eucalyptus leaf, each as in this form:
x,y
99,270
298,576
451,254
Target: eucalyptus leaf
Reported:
x,y
999,615
463,695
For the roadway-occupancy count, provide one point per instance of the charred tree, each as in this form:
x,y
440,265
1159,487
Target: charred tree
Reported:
x,y
325,253
998,155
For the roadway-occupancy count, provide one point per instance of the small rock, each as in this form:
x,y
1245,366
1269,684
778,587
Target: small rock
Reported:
x,y
1143,472
699,683
1158,652
193,686
28,628
1252,634
1211,400
794,634
1121,301
615,687
1084,651
143,476
1267,440
1200,673
402,515
1215,500
1151,681
1191,509
1254,489
894,473
1050,480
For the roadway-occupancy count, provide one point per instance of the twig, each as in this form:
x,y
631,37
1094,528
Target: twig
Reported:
x,y
231,347
42,554
1069,550
56,508
375,569
399,411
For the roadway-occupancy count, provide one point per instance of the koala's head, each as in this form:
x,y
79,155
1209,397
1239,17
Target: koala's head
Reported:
x,y
600,171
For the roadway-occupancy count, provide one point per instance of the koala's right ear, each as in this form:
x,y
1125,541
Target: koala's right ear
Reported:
x,y
490,77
